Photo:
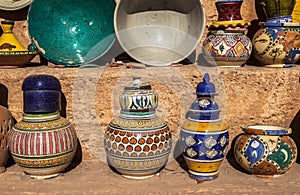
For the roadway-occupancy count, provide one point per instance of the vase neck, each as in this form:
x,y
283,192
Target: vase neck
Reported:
x,y
40,116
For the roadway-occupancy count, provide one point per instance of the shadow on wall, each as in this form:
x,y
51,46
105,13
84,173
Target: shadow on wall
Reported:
x,y
295,125
3,96
16,15
78,154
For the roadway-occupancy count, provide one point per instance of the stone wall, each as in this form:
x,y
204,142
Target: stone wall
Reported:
x,y
247,95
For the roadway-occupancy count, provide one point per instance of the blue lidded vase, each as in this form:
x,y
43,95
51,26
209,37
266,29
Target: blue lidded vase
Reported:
x,y
204,136
43,143
41,94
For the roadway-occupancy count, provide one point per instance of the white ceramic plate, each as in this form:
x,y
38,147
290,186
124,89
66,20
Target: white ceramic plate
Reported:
x,y
14,4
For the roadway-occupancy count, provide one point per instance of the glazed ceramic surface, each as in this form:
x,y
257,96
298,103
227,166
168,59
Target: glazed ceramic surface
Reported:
x,y
41,94
71,32
43,144
11,5
6,124
158,32
227,48
229,10
265,150
137,142
275,8
277,43
296,12
203,136
12,52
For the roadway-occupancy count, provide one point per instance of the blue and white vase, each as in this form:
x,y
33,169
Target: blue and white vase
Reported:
x,y
204,136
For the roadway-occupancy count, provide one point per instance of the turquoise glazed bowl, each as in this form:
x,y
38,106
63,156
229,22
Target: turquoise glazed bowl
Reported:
x,y
71,32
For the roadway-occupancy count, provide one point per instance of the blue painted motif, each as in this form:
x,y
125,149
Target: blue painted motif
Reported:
x,y
255,150
290,58
200,147
274,31
221,48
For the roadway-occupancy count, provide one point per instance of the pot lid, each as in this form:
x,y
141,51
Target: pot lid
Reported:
x,y
41,82
137,84
267,130
206,88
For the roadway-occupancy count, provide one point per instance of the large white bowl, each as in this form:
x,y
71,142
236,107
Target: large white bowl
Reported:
x,y
159,32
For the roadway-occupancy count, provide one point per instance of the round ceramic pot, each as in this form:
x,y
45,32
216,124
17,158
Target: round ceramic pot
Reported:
x,y
43,144
203,136
229,10
137,142
265,150
277,43
137,148
41,94
227,48
6,124
275,8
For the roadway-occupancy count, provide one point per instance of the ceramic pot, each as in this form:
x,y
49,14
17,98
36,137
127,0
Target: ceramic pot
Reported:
x,y
6,124
204,136
265,150
137,142
159,33
229,10
227,48
277,43
43,143
277,8
12,53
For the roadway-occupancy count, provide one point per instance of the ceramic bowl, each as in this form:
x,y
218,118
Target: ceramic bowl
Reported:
x,y
157,32
11,5
71,32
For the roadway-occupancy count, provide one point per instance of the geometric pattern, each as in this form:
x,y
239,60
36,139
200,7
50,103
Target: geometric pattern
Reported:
x,y
206,146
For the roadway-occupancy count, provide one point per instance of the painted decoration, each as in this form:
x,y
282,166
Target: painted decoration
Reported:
x,y
43,145
265,150
227,48
137,142
277,43
204,136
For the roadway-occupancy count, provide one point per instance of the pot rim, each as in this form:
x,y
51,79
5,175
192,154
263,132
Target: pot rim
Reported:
x,y
261,129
